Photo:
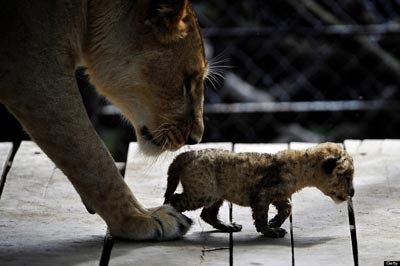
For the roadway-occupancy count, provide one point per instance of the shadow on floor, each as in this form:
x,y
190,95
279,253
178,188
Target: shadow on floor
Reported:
x,y
83,251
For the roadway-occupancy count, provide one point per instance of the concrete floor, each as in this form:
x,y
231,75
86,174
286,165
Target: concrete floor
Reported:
x,y
43,222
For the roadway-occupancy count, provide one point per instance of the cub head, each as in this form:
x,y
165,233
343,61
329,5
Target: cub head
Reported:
x,y
148,58
336,171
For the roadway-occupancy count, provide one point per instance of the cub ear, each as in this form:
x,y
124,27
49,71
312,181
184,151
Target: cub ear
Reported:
x,y
329,164
167,19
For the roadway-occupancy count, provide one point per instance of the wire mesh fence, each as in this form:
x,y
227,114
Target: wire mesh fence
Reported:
x,y
302,70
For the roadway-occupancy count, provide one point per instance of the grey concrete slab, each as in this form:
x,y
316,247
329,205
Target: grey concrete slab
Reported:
x,y
5,153
301,145
391,147
352,146
202,245
260,147
370,146
250,247
305,145
377,201
321,231
320,227
43,221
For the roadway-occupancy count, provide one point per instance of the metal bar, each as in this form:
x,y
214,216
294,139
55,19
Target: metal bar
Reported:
x,y
372,29
352,224
230,236
291,232
274,107
313,106
107,248
231,233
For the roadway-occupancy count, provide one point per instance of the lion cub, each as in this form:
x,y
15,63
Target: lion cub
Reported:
x,y
210,176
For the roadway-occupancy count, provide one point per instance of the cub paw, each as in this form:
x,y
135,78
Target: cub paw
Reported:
x,y
274,232
275,222
236,227
228,228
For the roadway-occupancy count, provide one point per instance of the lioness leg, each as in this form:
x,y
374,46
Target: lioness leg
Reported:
x,y
210,216
58,122
284,209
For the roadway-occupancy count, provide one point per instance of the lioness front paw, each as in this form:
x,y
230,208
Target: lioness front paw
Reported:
x,y
173,223
274,232
162,223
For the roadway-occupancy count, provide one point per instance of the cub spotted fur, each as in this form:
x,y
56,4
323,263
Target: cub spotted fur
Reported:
x,y
257,179
146,56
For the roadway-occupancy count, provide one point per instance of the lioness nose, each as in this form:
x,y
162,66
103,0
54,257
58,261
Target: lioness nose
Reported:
x,y
196,133
197,129
193,139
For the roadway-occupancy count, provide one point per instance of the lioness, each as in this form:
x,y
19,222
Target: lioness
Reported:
x,y
146,56
257,180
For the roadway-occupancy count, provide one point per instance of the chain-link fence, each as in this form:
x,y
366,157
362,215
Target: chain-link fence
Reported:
x,y
302,70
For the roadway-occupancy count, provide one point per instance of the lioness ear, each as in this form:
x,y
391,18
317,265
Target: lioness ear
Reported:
x,y
167,19
329,164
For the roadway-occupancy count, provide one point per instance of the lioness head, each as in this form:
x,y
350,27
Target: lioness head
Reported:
x,y
148,58
336,171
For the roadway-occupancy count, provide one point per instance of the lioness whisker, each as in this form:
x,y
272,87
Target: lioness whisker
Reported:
x,y
213,82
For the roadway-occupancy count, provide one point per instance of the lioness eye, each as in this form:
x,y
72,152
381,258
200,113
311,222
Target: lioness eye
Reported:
x,y
187,86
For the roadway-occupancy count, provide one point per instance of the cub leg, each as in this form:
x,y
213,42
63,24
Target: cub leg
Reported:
x,y
54,116
187,202
284,208
259,204
210,216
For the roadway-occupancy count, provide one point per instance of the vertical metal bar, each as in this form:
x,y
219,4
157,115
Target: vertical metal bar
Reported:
x,y
352,225
291,232
353,234
109,241
231,220
230,236
107,248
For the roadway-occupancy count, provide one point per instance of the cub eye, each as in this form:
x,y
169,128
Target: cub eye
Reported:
x,y
187,86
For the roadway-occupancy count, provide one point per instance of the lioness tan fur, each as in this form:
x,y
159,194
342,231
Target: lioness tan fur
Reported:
x,y
146,56
257,180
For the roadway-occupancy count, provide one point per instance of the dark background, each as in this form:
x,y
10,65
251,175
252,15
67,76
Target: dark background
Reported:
x,y
293,70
